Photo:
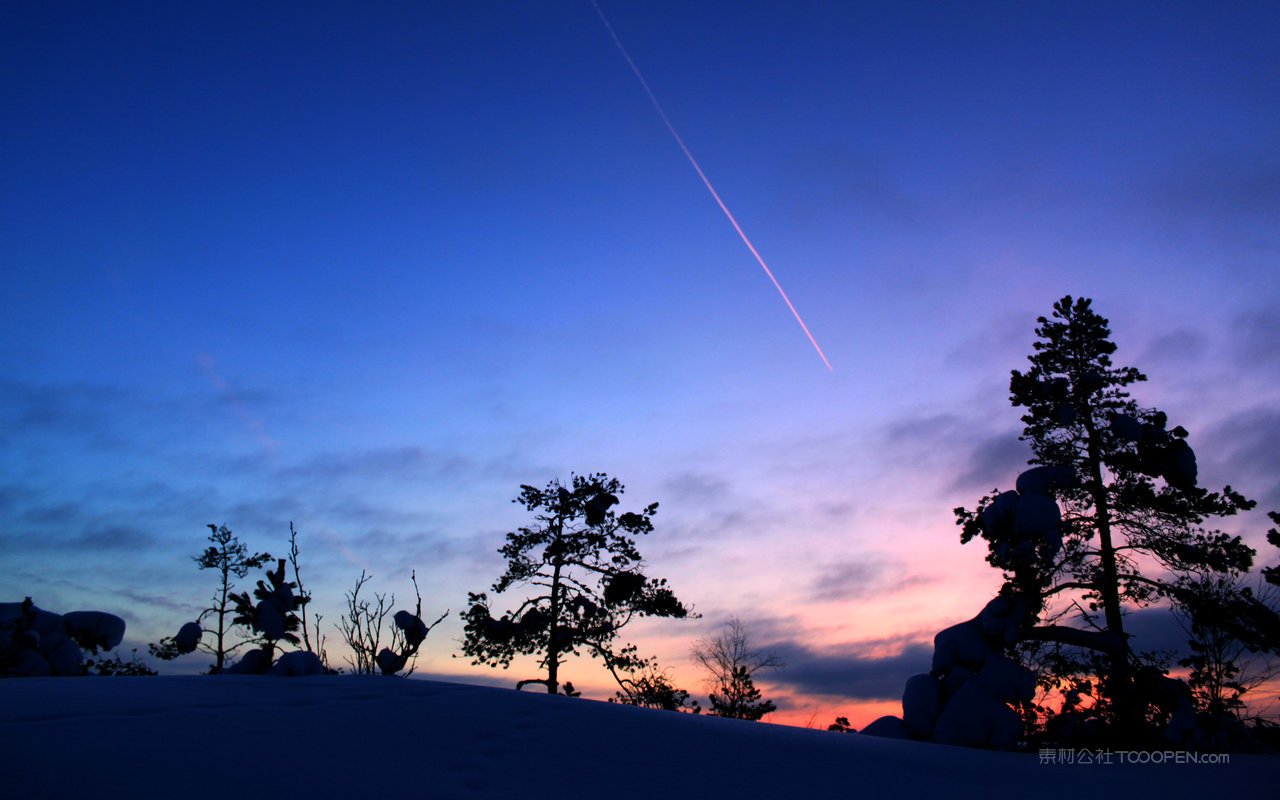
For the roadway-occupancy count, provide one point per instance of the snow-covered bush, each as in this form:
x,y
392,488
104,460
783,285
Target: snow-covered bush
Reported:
x,y
361,629
37,643
273,619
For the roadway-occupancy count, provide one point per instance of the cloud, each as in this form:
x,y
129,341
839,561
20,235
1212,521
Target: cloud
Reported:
x,y
92,537
114,537
834,180
1235,187
57,514
698,487
996,459
388,462
848,674
1255,334
1252,442
1156,629
871,575
968,448
74,409
187,610
1177,348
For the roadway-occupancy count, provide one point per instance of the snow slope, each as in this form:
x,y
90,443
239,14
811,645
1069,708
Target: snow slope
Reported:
x,y
348,736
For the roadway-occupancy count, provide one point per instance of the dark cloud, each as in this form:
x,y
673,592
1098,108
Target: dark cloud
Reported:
x,y
848,674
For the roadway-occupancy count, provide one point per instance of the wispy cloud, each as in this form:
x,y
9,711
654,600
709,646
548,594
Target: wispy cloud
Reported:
x,y
1256,333
968,448
84,411
872,575
1251,442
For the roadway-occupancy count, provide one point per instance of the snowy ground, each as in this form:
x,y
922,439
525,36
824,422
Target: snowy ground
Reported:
x,y
348,736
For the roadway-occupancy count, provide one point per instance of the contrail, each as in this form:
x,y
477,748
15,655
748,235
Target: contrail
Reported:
x,y
707,183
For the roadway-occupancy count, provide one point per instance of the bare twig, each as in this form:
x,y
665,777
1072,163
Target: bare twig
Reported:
x,y
362,626
297,578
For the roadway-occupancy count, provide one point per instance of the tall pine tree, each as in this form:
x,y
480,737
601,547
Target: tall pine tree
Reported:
x,y
1132,514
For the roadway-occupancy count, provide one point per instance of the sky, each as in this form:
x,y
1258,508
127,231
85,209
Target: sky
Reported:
x,y
370,267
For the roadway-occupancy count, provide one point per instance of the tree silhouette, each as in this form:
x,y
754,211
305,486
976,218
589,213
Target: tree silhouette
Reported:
x,y
230,559
732,665
1129,517
1234,634
651,687
361,629
582,559
273,618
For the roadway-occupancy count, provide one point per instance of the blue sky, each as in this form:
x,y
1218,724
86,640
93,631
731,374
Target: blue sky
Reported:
x,y
370,267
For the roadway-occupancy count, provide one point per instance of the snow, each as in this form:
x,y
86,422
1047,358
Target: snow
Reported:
x,y
138,737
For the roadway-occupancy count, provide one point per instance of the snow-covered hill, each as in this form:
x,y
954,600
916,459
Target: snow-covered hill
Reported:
x,y
348,737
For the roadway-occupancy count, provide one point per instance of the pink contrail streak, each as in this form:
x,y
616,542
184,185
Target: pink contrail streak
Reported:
x,y
707,183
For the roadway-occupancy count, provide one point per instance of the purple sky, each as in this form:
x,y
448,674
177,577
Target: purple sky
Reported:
x,y
369,269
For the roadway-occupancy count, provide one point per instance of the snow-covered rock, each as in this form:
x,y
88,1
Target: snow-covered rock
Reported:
x,y
95,629
35,642
63,654
956,678
888,727
254,662
30,664
1001,619
297,663
1006,680
1043,480
960,645
973,718
921,704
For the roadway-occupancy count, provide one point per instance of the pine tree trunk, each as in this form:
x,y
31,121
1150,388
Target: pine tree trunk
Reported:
x,y
220,657
1120,680
553,637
